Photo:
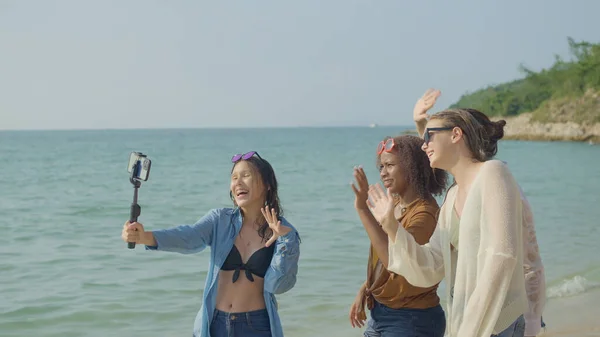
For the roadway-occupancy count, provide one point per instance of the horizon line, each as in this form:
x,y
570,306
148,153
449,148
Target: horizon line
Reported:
x,y
210,128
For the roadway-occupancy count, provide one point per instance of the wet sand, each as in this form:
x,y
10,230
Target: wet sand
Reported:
x,y
576,316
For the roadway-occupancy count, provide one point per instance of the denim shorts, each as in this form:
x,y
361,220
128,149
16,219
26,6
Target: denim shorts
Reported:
x,y
242,324
388,322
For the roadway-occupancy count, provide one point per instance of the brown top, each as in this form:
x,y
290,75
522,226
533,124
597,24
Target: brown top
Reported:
x,y
419,218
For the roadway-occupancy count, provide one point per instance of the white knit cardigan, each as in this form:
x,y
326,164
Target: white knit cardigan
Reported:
x,y
535,280
485,289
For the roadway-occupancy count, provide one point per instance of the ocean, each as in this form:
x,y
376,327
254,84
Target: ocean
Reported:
x,y
64,196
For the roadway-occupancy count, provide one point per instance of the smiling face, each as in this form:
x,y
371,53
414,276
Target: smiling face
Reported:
x,y
392,173
441,145
404,168
246,186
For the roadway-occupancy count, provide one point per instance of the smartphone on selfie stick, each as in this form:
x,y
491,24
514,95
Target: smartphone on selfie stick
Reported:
x,y
139,170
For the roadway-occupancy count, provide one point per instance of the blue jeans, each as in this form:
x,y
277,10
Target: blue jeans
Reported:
x,y
516,329
388,322
243,324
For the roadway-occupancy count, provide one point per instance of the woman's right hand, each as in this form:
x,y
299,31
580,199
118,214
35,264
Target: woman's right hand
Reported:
x,y
133,232
423,105
357,316
361,191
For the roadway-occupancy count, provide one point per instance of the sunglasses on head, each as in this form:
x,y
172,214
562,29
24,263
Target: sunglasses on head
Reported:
x,y
386,146
244,156
427,135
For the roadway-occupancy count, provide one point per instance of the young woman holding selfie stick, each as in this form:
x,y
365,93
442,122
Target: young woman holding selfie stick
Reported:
x,y
254,254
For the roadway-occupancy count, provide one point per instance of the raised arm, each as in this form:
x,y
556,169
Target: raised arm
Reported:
x,y
187,239
282,272
378,238
423,105
421,265
499,244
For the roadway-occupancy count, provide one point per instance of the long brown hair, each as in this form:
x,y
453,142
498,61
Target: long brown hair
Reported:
x,y
267,175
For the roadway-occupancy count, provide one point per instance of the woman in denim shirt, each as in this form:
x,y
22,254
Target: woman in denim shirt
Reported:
x,y
254,254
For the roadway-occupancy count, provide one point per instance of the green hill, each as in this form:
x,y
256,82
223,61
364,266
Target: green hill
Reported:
x,y
567,91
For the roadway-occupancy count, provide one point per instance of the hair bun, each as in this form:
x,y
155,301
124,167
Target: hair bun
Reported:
x,y
496,130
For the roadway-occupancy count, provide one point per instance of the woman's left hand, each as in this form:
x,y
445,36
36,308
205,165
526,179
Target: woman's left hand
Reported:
x,y
382,206
275,225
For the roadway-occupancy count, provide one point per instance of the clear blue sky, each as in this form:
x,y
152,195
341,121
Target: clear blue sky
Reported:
x,y
153,64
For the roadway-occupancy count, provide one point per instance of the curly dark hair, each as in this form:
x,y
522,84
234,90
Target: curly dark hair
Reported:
x,y
267,174
421,176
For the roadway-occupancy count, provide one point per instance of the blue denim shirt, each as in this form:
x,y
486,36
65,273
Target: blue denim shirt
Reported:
x,y
218,229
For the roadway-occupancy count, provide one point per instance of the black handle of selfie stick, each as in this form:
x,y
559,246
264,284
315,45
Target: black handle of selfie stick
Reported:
x,y
135,210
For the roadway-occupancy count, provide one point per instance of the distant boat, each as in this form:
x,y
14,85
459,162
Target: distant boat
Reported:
x,y
373,125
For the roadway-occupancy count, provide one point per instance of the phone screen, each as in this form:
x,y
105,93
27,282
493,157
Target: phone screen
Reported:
x,y
144,168
139,166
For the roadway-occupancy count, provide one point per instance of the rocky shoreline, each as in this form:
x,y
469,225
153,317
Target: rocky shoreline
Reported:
x,y
521,127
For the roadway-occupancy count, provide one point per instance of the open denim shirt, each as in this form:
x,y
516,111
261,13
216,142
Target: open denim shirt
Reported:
x,y
218,229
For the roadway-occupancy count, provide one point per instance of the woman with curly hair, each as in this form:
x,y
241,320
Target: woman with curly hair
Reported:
x,y
397,307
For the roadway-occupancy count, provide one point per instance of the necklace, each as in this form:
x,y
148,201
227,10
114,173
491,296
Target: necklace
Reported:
x,y
397,203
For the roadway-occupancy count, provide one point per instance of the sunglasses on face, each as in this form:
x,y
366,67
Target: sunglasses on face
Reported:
x,y
244,156
427,134
386,146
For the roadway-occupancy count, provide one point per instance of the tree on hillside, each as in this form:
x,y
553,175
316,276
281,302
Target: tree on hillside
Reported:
x,y
564,79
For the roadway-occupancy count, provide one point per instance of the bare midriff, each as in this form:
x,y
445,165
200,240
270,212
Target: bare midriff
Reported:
x,y
241,296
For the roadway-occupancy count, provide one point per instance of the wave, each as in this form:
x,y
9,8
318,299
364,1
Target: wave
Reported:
x,y
570,287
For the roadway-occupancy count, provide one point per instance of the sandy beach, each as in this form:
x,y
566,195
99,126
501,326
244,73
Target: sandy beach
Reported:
x,y
576,316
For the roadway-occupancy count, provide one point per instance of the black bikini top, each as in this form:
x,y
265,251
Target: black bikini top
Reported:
x,y
257,264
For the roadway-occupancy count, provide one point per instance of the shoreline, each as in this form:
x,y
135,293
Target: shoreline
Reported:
x,y
521,127
573,316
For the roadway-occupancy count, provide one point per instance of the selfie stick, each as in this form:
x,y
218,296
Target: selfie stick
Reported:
x,y
135,210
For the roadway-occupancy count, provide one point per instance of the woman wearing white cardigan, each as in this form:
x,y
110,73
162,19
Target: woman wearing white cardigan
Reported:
x,y
535,281
478,244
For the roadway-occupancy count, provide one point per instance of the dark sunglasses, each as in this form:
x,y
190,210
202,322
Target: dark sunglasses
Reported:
x,y
244,156
386,146
427,135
